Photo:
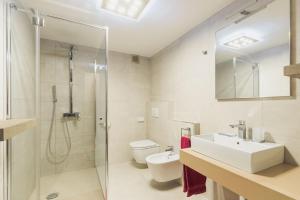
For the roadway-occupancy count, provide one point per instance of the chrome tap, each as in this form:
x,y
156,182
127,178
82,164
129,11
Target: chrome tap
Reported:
x,y
170,149
242,130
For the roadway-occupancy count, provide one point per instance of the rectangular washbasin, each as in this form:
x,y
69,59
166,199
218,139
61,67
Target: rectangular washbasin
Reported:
x,y
245,155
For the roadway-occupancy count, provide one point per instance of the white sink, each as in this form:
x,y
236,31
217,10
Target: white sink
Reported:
x,y
245,155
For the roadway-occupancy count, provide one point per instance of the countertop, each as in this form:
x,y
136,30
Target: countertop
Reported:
x,y
13,127
281,182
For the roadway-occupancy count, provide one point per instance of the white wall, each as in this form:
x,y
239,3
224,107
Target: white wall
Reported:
x,y
271,62
185,77
129,92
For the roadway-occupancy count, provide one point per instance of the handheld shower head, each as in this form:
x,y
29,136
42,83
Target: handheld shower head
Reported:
x,y
54,98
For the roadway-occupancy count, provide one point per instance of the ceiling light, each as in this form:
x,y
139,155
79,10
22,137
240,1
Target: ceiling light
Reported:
x,y
121,10
241,42
133,11
138,2
111,6
128,8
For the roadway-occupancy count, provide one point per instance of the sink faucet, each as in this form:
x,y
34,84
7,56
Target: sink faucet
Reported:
x,y
241,129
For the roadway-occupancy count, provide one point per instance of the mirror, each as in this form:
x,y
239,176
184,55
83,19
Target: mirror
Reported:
x,y
251,54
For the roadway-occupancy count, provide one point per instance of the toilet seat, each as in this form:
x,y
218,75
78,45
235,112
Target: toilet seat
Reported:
x,y
143,148
143,144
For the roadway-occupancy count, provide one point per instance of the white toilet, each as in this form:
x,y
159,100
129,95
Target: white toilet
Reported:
x,y
165,166
143,148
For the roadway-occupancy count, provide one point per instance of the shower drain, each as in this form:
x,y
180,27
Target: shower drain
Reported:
x,y
52,196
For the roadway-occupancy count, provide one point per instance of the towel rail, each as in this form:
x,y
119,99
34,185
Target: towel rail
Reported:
x,y
188,129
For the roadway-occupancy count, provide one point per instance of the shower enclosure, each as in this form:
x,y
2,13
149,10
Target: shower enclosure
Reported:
x,y
57,73
238,77
246,77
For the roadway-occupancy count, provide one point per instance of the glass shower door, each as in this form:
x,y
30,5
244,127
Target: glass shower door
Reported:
x,y
71,73
73,98
101,154
22,56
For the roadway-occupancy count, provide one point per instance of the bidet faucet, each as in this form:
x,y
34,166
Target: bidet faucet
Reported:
x,y
242,131
170,148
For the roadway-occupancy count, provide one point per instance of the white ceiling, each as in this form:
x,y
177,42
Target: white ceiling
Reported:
x,y
163,21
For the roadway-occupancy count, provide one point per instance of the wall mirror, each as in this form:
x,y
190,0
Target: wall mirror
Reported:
x,y
251,53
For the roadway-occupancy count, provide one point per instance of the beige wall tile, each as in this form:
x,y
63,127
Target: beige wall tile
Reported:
x,y
129,93
55,71
182,75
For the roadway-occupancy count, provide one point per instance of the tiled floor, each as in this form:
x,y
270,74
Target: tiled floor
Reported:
x,y
128,182
75,185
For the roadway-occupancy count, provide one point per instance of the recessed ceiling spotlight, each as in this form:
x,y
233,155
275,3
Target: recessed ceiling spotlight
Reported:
x,y
241,42
128,8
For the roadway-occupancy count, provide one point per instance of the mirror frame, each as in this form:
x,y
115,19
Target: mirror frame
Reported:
x,y
293,60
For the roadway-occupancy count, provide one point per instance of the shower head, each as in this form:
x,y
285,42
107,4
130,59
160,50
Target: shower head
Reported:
x,y
54,98
255,66
65,49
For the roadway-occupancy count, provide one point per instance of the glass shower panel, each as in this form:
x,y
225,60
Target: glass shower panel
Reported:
x,y
101,157
71,53
22,103
247,78
225,80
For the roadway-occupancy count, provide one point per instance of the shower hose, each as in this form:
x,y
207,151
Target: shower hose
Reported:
x,y
51,153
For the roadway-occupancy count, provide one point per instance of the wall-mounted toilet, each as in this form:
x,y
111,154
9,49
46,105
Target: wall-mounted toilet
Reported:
x,y
165,166
143,148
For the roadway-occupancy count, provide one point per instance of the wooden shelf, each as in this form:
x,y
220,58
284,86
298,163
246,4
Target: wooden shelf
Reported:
x,y
292,71
13,127
277,183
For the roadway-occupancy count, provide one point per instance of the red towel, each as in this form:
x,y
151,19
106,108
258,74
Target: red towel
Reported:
x,y
194,182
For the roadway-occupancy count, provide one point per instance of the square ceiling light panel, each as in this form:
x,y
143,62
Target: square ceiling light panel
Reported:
x,y
241,42
127,8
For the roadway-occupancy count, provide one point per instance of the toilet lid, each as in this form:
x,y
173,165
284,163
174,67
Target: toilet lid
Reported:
x,y
143,144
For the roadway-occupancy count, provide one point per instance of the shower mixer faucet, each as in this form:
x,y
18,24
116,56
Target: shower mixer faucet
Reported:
x,y
74,115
